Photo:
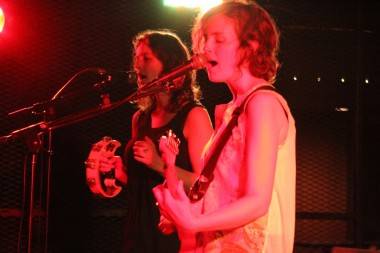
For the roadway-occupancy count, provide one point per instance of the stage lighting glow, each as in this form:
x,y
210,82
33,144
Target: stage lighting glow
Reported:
x,y
194,4
2,20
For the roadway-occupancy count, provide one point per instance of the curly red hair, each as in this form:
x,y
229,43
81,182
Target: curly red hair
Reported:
x,y
254,26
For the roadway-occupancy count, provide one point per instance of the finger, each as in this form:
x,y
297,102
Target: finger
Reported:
x,y
157,192
165,218
166,226
162,143
139,142
118,162
163,212
114,159
141,159
168,200
139,149
180,190
138,153
105,165
105,162
140,145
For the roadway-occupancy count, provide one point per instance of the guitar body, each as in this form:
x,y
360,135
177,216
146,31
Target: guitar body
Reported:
x,y
102,182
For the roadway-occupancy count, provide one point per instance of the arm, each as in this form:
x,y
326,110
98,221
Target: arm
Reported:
x,y
135,118
120,169
197,130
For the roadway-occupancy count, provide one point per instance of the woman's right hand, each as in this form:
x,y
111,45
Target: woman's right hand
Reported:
x,y
179,210
145,152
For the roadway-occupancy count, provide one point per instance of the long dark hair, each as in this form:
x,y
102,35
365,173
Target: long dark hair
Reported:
x,y
172,52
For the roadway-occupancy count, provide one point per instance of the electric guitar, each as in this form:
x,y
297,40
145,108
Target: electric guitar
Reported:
x,y
102,181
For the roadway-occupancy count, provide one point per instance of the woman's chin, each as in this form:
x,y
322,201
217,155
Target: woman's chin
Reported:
x,y
215,79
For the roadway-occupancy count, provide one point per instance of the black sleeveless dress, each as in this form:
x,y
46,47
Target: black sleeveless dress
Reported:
x,y
141,233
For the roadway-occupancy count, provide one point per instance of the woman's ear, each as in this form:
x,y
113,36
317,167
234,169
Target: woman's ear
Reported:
x,y
248,51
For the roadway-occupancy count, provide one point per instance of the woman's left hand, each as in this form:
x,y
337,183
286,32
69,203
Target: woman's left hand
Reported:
x,y
145,152
179,208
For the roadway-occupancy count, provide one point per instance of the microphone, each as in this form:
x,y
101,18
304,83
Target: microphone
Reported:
x,y
107,76
196,62
165,82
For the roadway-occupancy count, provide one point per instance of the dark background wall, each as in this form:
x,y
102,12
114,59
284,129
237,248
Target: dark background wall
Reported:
x,y
45,43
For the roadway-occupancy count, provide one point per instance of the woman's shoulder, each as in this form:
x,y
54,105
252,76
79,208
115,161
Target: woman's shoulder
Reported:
x,y
137,114
190,105
189,108
140,117
197,112
263,96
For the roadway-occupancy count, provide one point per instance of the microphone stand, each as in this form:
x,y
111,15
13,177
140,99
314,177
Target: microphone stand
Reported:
x,y
34,137
35,132
47,196
35,145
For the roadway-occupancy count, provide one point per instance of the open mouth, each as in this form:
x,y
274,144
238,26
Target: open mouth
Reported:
x,y
213,63
141,77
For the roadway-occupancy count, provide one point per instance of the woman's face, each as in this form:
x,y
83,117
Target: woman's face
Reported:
x,y
147,66
221,46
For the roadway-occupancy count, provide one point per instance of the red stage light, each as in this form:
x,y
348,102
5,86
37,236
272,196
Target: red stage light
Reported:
x,y
2,20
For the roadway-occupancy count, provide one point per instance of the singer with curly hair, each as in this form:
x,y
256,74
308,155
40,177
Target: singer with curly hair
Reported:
x,y
249,206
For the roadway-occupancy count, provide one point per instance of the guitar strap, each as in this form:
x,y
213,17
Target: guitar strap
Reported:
x,y
200,186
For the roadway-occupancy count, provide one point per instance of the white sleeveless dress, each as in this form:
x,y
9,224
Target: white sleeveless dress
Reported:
x,y
271,233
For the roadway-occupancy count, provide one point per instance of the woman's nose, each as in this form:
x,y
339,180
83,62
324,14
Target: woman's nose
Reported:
x,y
136,65
207,48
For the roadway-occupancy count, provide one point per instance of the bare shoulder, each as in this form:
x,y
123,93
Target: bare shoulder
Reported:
x,y
265,109
198,118
196,112
264,102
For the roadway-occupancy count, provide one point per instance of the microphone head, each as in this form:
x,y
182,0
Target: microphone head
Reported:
x,y
198,61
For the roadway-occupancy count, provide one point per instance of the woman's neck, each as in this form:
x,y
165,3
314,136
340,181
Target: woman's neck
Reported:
x,y
160,115
243,84
162,102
